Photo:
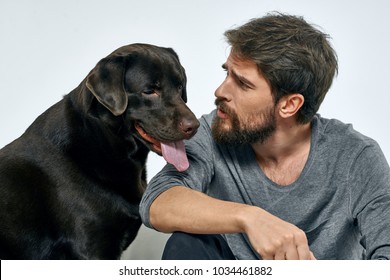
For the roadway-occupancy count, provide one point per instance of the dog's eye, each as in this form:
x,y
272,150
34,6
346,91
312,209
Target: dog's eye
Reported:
x,y
180,87
149,91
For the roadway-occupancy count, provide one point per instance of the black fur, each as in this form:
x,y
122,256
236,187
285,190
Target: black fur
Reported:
x,y
71,184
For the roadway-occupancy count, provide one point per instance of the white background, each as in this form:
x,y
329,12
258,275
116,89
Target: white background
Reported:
x,y
47,47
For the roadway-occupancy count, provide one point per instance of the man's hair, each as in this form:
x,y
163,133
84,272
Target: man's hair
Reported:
x,y
291,54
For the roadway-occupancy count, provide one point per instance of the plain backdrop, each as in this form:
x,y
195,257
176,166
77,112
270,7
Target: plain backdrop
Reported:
x,y
47,47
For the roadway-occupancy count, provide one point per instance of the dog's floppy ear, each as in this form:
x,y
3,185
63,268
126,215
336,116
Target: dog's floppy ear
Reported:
x,y
106,82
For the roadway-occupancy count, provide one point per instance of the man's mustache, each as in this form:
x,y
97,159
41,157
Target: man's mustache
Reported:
x,y
221,105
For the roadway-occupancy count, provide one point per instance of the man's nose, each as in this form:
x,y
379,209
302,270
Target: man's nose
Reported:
x,y
223,91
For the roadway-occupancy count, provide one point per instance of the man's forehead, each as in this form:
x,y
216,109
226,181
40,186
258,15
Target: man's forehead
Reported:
x,y
240,65
237,61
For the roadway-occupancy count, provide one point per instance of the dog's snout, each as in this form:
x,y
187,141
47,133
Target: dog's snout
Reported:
x,y
189,127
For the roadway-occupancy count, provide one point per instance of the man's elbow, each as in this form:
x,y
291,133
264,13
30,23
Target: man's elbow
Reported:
x,y
158,219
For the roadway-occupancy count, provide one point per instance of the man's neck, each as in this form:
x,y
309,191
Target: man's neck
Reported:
x,y
283,156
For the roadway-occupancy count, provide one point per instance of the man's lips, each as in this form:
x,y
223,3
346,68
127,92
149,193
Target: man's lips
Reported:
x,y
223,111
222,114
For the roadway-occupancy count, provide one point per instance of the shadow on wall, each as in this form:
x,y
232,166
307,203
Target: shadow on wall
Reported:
x,y
148,245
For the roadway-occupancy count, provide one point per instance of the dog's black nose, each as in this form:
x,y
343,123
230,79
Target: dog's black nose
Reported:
x,y
189,127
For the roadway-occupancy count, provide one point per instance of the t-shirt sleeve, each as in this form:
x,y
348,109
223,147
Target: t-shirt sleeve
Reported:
x,y
200,153
370,200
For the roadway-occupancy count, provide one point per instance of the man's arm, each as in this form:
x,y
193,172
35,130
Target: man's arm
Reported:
x,y
370,200
182,209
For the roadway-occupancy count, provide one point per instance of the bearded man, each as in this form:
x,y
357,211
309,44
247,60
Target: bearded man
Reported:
x,y
269,178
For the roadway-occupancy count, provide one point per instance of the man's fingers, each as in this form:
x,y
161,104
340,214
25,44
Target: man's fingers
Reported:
x,y
304,252
280,255
291,252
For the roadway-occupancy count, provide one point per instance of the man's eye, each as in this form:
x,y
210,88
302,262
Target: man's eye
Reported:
x,y
243,85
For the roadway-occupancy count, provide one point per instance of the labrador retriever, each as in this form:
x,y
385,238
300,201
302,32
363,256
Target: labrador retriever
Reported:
x,y
71,184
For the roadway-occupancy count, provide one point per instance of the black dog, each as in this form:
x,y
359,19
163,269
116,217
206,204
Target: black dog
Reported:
x,y
71,184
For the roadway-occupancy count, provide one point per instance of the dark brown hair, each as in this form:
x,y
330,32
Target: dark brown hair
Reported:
x,y
291,54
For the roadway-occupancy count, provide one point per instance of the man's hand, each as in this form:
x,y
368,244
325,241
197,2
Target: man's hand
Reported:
x,y
182,209
275,239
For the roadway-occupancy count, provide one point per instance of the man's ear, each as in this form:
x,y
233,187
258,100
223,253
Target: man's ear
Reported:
x,y
106,82
290,104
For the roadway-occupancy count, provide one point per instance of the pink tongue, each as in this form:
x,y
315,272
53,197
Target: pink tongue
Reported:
x,y
175,154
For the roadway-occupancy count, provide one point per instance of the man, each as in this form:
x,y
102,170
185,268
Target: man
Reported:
x,y
269,178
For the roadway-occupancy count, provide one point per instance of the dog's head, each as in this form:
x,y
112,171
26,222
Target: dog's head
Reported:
x,y
145,85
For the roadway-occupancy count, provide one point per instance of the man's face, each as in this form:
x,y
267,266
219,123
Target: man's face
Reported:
x,y
246,109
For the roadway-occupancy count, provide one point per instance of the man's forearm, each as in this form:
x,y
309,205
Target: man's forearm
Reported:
x,y
183,209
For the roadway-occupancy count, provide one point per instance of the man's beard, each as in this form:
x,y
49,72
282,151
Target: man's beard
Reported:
x,y
249,129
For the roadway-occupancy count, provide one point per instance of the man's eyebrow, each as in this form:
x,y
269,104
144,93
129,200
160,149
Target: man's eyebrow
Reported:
x,y
244,80
239,77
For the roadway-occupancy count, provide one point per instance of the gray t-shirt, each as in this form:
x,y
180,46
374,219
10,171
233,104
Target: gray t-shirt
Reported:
x,y
341,199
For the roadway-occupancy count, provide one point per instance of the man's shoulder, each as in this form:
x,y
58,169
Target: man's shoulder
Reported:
x,y
204,130
207,119
202,141
335,130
